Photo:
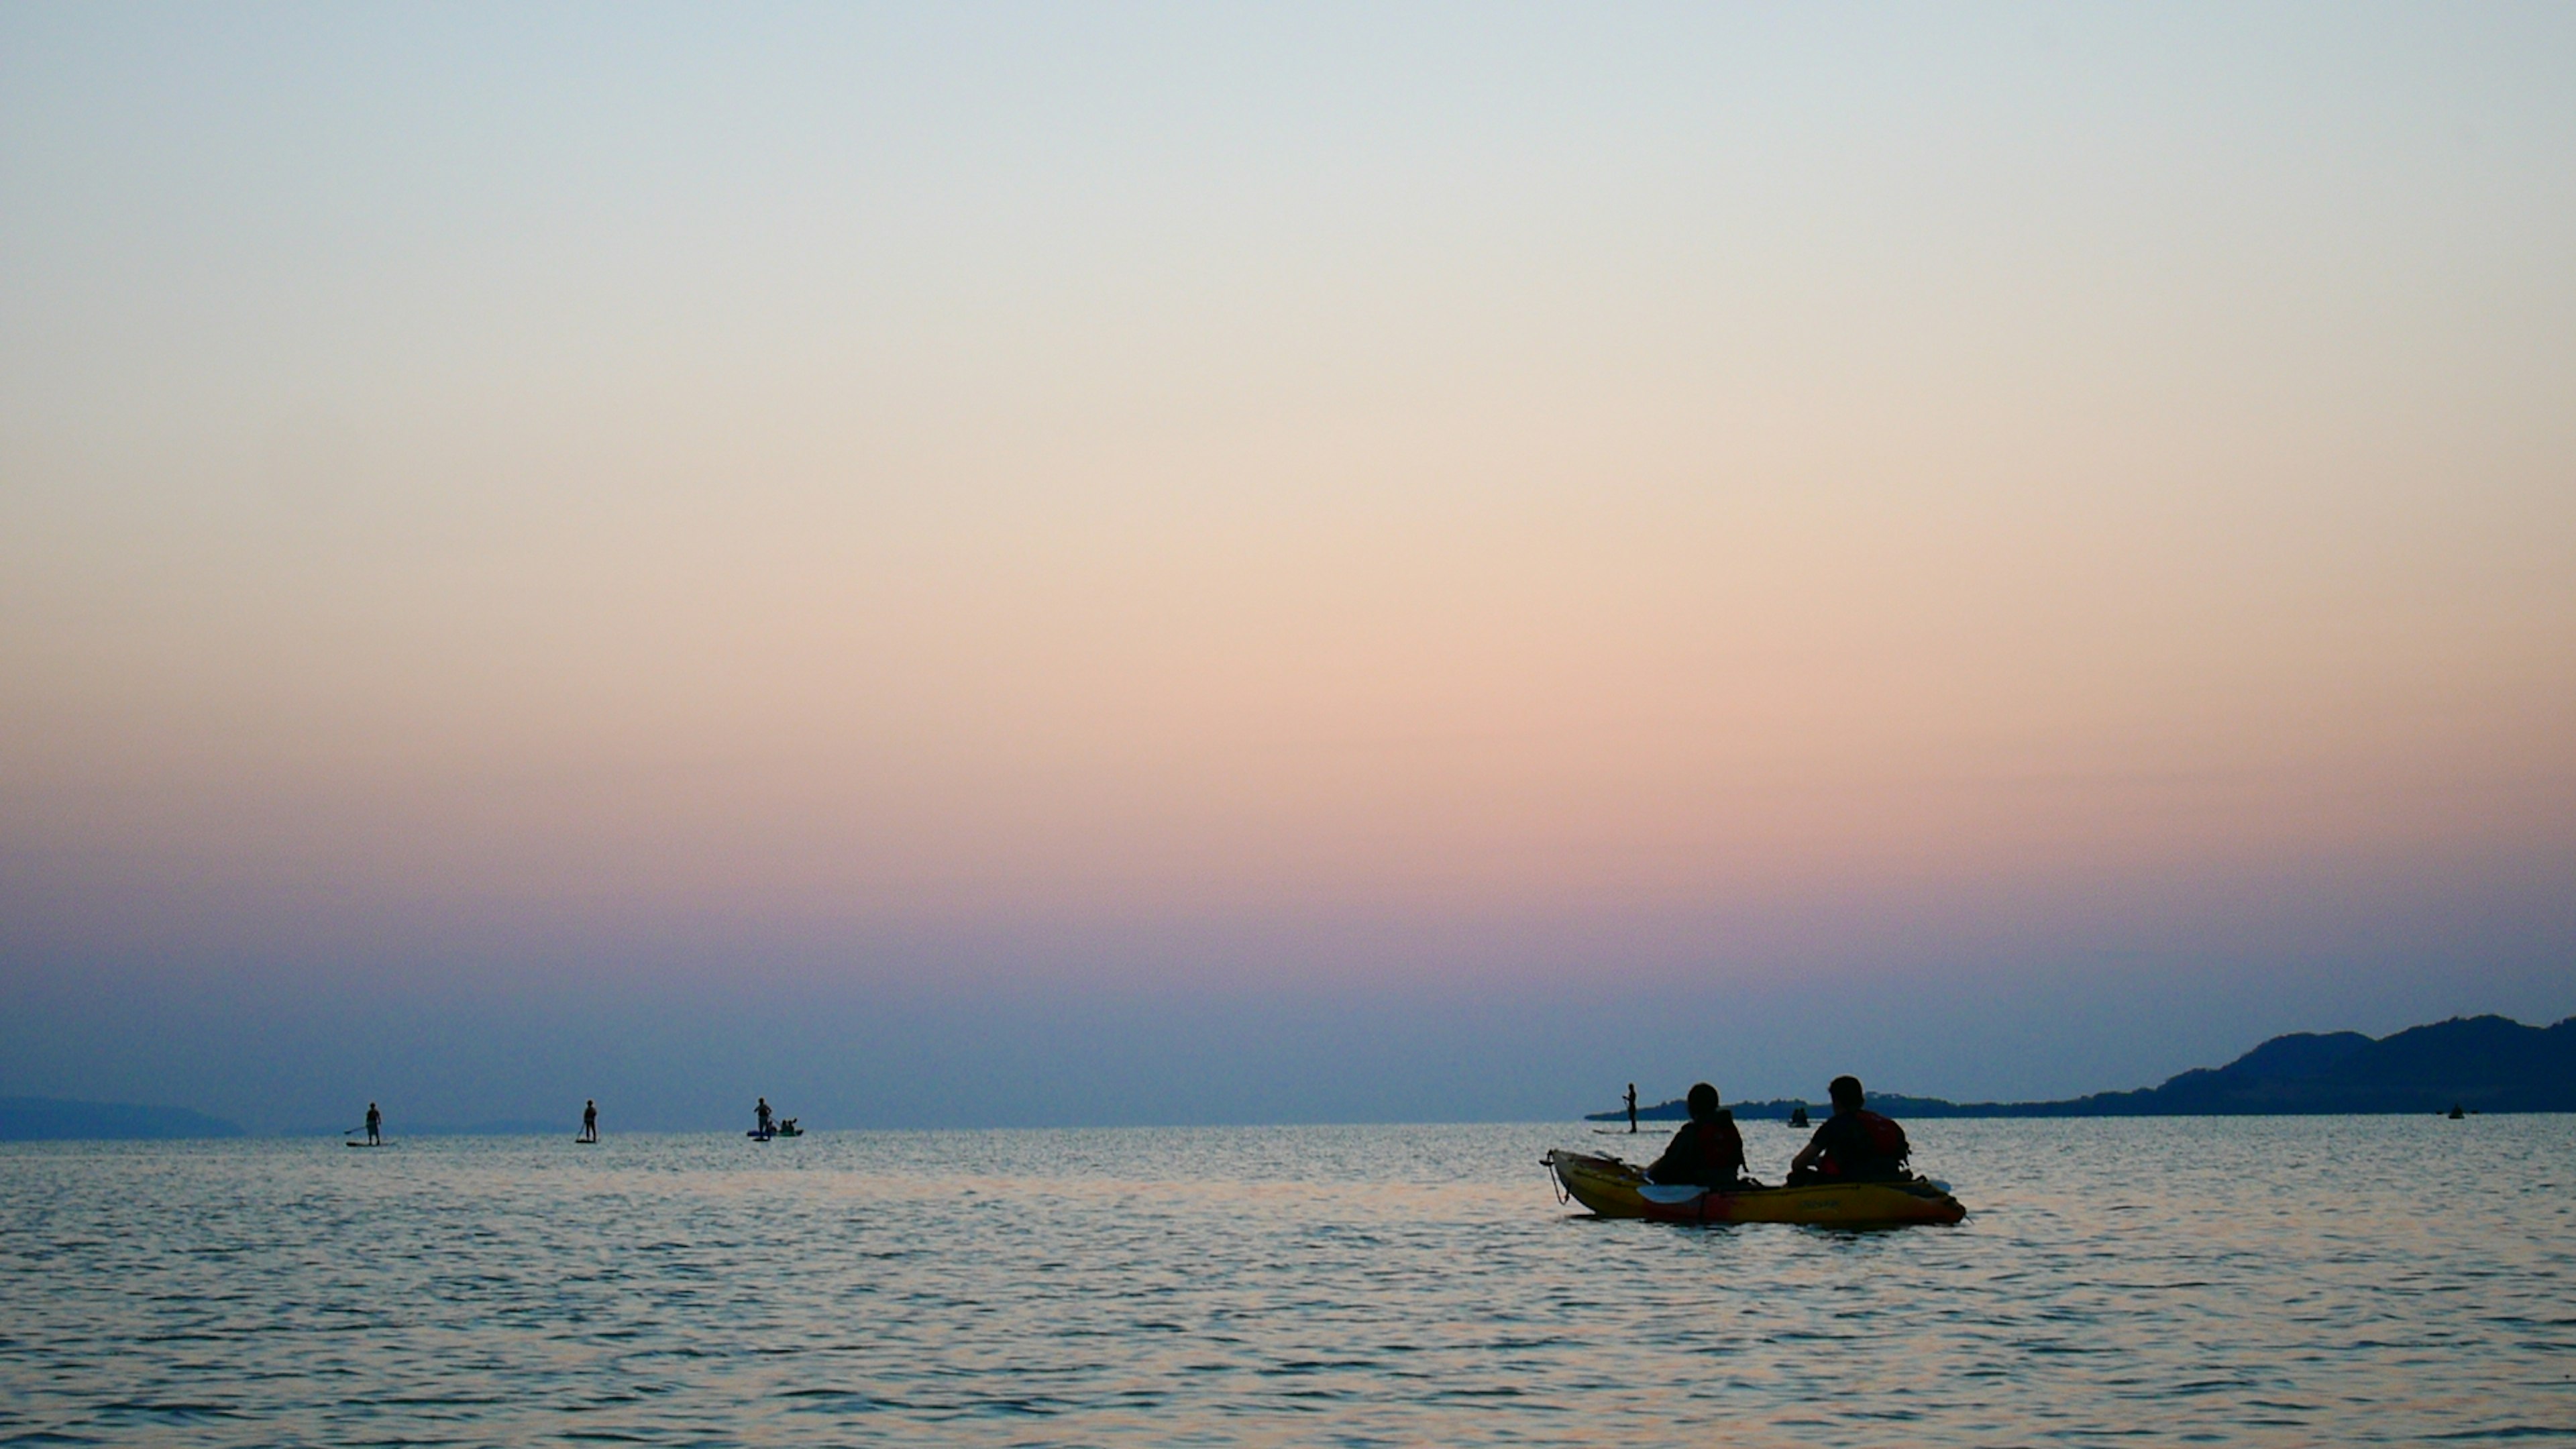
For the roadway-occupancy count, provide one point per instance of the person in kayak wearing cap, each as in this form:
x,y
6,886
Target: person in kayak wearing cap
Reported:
x,y
1708,1151
1854,1145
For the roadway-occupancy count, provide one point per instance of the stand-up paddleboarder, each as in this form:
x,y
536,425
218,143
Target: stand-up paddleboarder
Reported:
x,y
375,1126
1632,1107
590,1120
762,1112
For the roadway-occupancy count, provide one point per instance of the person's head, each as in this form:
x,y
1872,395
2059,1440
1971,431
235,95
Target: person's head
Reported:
x,y
1846,1094
1703,1102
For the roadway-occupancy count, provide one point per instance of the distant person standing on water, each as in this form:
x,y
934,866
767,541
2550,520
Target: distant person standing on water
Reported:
x,y
1708,1151
1632,1108
590,1120
762,1112
1854,1145
375,1126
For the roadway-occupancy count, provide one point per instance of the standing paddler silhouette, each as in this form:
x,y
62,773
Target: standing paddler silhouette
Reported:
x,y
1632,1106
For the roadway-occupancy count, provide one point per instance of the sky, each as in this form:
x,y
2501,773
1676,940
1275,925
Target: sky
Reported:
x,y
963,565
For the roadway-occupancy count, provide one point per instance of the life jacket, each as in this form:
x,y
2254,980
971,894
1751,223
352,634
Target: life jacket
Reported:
x,y
1882,1139
1720,1145
1709,1154
1884,1135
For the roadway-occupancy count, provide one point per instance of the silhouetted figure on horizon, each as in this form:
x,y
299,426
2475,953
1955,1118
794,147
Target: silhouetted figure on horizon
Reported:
x,y
1708,1151
375,1126
590,1120
1632,1107
762,1112
1854,1145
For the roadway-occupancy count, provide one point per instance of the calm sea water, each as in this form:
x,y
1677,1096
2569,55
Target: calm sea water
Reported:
x,y
2270,1281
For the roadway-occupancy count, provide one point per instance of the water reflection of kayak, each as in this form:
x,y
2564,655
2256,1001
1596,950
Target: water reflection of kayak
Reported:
x,y
1615,1189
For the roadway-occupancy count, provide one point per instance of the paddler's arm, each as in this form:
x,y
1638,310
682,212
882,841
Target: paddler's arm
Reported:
x,y
1674,1157
1809,1154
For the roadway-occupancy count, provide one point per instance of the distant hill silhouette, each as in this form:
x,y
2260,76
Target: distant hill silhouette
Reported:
x,y
2483,1063
50,1119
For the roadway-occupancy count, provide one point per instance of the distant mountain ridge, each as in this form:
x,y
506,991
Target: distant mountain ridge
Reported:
x,y
2482,1063
53,1119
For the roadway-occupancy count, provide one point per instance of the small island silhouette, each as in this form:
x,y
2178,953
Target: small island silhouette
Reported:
x,y
2479,1063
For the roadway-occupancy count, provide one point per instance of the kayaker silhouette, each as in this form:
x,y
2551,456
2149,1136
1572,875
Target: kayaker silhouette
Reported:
x,y
1854,1145
1632,1107
375,1126
590,1120
1707,1151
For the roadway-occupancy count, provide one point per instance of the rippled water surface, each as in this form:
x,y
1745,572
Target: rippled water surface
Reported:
x,y
2266,1281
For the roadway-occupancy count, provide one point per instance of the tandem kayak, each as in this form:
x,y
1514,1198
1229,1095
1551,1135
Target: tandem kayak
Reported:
x,y
1615,1189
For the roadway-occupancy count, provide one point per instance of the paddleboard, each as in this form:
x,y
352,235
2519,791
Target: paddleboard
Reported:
x,y
362,1144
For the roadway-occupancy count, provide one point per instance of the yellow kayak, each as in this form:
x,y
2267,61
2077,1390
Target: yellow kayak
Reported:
x,y
1615,1189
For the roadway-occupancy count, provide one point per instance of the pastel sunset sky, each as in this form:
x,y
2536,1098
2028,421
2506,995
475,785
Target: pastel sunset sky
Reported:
x,y
991,564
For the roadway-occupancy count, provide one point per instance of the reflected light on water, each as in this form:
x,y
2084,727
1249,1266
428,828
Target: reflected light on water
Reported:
x,y
2268,1281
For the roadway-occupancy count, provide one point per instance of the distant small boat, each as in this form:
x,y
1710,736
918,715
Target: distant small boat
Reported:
x,y
1798,1116
786,1128
2456,1112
